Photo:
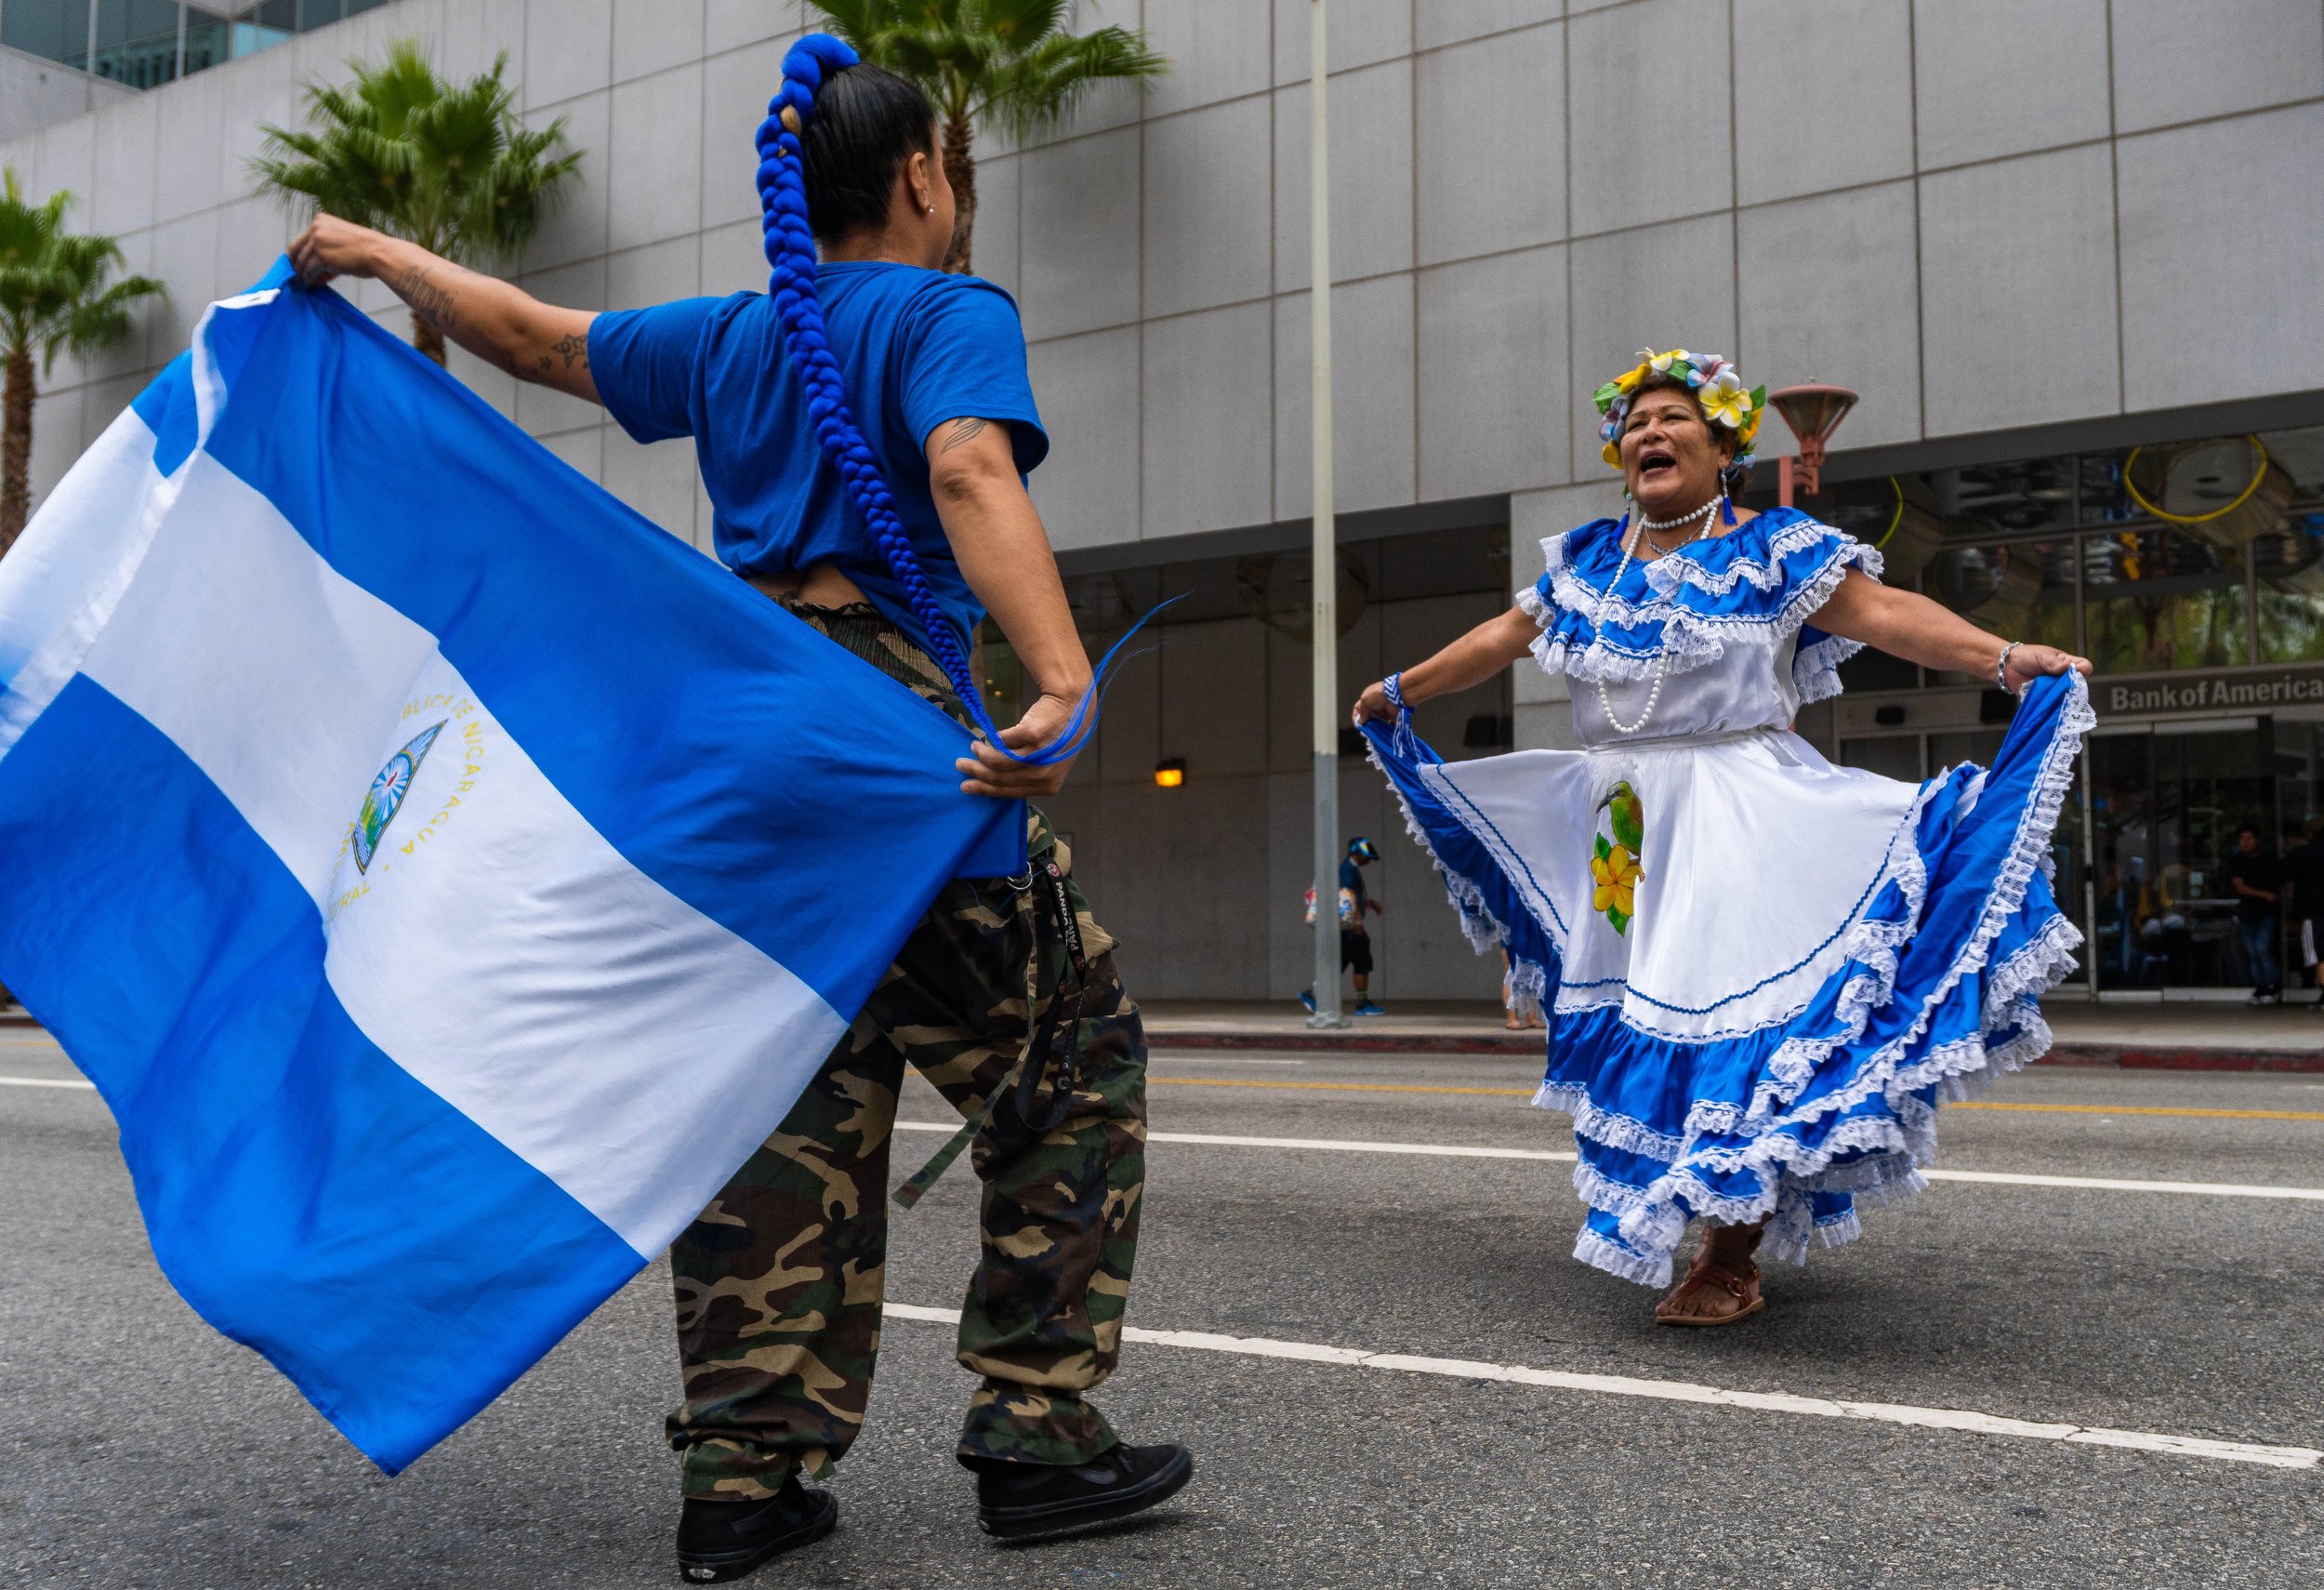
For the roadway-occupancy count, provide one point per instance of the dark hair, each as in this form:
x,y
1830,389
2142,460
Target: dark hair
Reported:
x,y
2251,828
867,123
815,73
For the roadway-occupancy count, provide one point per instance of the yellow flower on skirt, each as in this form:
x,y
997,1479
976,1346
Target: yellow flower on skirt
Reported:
x,y
1616,872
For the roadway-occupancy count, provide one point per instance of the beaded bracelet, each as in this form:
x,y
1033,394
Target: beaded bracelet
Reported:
x,y
2001,667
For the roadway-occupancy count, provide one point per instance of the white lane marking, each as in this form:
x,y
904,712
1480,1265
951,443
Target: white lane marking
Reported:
x,y
1237,1060
45,1082
2109,1184
1460,1151
1709,1395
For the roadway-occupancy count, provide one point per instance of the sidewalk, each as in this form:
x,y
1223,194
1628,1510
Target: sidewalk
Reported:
x,y
2177,1035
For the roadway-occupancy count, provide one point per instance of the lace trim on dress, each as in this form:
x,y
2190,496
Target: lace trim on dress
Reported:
x,y
1693,632
2008,1012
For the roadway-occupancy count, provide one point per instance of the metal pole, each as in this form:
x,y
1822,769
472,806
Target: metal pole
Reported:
x,y
1325,619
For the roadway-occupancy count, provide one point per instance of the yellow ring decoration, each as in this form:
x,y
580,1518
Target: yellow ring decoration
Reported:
x,y
2257,475
1894,519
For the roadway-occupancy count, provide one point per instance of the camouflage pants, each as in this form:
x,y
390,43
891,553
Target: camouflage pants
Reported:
x,y
779,1281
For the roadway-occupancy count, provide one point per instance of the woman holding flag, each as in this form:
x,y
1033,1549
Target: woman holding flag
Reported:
x,y
863,431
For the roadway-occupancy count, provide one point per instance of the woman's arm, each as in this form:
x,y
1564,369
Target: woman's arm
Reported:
x,y
1907,625
1470,660
1004,554
500,323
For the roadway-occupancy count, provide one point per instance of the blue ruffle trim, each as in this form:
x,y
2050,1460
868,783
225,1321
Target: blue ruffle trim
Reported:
x,y
1758,582
1796,1122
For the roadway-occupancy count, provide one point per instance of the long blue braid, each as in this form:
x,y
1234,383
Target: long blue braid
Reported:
x,y
790,247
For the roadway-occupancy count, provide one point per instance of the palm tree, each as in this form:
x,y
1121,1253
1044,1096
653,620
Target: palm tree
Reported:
x,y
452,169
1012,64
53,297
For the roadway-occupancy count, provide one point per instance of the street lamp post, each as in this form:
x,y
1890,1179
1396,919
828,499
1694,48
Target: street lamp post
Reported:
x,y
1813,411
1324,586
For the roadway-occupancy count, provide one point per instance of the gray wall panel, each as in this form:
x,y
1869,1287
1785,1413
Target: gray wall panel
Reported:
x,y
1823,95
2017,292
735,88
1439,23
1641,152
2174,63
576,228
653,36
1495,394
1371,177
1079,225
1363,32
1087,387
2221,223
1999,77
1831,284
1372,432
1216,52
1206,242
568,49
1208,388
1489,122
655,158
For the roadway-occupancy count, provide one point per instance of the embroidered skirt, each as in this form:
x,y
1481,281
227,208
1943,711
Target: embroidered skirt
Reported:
x,y
1764,972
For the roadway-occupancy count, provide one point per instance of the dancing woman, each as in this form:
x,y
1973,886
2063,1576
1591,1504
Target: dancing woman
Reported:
x,y
1763,970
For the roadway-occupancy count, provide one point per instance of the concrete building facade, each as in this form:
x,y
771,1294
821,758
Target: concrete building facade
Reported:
x,y
2034,237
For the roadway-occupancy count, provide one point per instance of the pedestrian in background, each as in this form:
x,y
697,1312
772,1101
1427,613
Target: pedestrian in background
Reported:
x,y
2304,884
2255,877
1356,944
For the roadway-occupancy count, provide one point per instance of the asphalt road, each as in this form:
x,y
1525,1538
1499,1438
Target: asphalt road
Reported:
x,y
138,1449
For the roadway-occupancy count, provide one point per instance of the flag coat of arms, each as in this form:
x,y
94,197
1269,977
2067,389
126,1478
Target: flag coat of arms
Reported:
x,y
446,877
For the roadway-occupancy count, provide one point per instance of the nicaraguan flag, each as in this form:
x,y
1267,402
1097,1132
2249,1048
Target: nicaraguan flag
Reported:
x,y
446,877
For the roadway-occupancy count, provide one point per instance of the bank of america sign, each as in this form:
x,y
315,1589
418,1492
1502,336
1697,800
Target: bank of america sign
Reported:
x,y
2209,690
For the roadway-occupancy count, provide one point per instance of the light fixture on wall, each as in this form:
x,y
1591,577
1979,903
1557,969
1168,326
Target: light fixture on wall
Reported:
x,y
1170,772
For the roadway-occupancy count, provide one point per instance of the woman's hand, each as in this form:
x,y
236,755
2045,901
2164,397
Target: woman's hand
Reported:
x,y
2029,663
1373,706
334,247
990,772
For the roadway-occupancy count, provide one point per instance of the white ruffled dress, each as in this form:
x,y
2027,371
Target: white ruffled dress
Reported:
x,y
1761,970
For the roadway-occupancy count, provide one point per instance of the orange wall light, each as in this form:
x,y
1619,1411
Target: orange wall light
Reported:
x,y
1170,772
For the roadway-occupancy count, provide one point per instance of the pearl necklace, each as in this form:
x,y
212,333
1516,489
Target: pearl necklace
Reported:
x,y
1652,526
1597,622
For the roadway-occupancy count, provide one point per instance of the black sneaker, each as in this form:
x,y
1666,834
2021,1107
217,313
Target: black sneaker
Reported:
x,y
725,1540
1019,1499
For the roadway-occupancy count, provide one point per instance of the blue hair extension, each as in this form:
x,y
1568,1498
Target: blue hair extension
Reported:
x,y
790,249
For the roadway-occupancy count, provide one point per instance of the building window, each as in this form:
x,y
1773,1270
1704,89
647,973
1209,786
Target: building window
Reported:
x,y
56,30
143,43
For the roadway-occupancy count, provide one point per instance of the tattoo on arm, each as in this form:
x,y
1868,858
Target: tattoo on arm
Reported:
x,y
419,288
573,346
963,431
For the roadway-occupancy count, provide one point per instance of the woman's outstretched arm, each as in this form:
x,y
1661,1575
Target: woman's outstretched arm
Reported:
x,y
1907,625
1470,660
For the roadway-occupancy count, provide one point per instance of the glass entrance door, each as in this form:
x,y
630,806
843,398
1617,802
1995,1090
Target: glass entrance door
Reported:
x,y
2166,801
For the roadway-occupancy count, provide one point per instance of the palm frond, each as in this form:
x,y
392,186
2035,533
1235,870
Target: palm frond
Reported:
x,y
53,293
1043,87
450,165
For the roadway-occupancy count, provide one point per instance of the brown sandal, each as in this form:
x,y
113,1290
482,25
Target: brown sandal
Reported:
x,y
1742,1285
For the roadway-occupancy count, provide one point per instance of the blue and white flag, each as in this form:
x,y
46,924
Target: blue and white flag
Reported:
x,y
447,878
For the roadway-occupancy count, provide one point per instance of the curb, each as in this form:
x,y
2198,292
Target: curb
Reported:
x,y
2120,1056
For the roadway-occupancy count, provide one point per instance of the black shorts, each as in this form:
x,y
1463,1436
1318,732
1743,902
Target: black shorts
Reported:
x,y
1355,953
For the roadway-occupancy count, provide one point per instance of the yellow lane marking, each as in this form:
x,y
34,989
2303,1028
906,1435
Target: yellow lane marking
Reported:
x,y
1527,1092
1339,1087
2146,1109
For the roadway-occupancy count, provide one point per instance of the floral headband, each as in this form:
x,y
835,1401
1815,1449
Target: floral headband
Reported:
x,y
1713,381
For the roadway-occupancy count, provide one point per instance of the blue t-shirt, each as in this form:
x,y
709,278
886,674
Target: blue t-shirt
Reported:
x,y
916,349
